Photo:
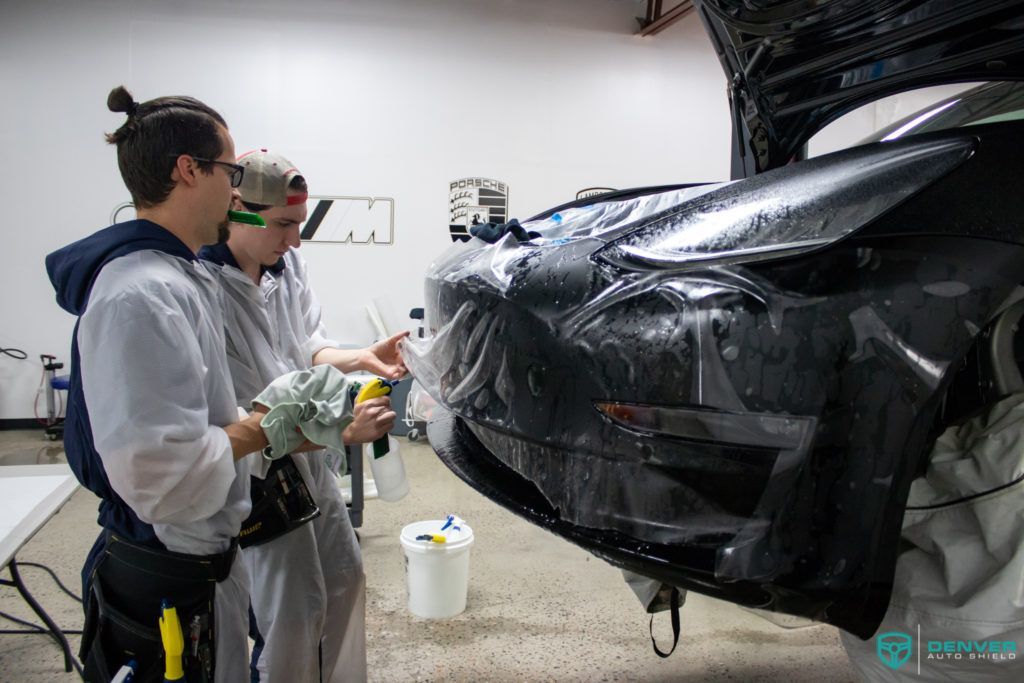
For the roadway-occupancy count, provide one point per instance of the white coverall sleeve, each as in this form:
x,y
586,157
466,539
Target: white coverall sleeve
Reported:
x,y
312,320
143,378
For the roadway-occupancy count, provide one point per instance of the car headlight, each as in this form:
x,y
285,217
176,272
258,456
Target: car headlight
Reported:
x,y
788,211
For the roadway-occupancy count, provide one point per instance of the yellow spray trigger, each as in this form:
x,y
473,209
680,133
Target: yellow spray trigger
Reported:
x,y
374,389
173,641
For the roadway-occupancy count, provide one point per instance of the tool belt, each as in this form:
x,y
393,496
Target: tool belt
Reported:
x,y
126,588
280,502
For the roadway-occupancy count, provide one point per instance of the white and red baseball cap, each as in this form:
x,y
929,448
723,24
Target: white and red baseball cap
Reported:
x,y
266,179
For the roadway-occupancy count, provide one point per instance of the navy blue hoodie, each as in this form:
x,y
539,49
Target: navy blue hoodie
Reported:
x,y
222,255
73,270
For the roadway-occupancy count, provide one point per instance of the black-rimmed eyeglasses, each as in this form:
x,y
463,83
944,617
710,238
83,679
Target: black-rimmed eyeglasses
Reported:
x,y
235,172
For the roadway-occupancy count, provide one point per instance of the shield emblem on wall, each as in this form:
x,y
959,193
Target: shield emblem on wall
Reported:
x,y
894,648
475,201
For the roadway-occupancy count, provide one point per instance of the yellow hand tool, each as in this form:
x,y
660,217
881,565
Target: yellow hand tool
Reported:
x,y
174,643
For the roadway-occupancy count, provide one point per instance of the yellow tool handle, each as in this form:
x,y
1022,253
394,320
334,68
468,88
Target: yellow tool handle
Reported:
x,y
174,644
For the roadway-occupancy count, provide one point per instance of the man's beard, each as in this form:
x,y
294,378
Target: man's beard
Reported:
x,y
222,232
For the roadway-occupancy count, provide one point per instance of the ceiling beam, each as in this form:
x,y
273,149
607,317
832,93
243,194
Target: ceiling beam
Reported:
x,y
658,19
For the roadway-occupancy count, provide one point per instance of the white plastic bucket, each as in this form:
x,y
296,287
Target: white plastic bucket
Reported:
x,y
437,574
388,472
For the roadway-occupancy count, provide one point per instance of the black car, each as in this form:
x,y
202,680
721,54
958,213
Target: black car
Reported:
x,y
730,387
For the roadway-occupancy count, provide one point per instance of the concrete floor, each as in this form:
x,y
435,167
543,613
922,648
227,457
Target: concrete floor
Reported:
x,y
539,608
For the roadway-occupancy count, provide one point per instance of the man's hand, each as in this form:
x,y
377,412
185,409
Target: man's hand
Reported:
x,y
371,420
383,359
246,435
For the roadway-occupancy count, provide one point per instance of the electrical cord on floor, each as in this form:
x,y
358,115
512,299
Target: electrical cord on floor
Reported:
x,y
34,629
56,579
16,354
31,628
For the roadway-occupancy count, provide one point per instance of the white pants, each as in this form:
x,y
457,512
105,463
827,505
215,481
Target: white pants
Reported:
x,y
308,592
231,625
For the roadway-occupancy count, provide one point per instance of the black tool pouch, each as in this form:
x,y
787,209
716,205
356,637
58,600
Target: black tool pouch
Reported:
x,y
280,502
124,603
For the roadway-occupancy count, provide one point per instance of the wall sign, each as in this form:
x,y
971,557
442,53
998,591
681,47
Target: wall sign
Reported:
x,y
593,192
350,220
472,201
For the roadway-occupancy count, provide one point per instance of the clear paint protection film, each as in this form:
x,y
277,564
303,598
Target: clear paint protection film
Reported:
x,y
751,419
497,263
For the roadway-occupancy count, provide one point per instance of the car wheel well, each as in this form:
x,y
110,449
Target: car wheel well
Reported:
x,y
991,370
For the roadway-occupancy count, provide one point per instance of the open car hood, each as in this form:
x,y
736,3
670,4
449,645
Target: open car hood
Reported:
x,y
796,65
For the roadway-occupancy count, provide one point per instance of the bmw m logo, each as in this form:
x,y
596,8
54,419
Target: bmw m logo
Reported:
x,y
894,648
473,201
350,220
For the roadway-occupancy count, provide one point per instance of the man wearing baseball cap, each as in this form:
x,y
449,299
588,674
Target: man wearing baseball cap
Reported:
x,y
308,587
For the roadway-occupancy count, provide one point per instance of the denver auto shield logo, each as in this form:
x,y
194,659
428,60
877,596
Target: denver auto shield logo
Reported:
x,y
474,201
894,648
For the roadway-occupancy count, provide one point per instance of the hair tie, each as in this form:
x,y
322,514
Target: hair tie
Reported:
x,y
132,108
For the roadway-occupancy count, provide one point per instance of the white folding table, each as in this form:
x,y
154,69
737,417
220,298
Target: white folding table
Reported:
x,y
29,496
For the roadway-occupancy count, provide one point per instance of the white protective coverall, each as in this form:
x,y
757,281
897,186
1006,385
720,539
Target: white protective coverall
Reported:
x,y
308,586
960,577
152,346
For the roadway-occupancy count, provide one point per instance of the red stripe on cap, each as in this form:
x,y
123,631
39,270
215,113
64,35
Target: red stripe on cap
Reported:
x,y
298,199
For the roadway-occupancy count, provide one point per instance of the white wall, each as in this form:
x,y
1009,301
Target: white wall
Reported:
x,y
368,97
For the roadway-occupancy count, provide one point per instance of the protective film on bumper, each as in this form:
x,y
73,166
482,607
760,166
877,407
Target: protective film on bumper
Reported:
x,y
654,472
770,413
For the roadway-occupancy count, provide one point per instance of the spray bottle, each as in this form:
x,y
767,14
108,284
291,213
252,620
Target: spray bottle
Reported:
x,y
385,461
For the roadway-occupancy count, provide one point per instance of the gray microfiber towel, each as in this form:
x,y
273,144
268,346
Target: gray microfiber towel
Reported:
x,y
317,401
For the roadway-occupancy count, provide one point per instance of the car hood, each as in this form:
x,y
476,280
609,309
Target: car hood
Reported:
x,y
796,65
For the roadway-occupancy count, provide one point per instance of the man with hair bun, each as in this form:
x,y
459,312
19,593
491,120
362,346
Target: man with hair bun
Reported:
x,y
152,425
